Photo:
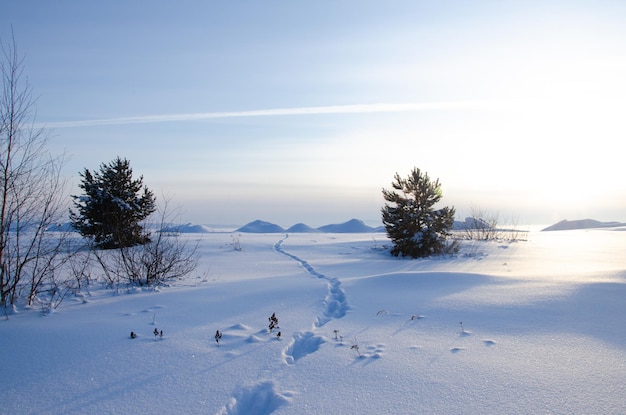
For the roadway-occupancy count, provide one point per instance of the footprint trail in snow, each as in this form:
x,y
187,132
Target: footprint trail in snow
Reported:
x,y
264,397
335,306
335,303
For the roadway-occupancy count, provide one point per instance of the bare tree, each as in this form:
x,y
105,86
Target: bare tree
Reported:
x,y
481,225
31,190
164,258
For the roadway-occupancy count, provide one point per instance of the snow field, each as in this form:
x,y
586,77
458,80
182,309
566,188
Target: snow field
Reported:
x,y
542,332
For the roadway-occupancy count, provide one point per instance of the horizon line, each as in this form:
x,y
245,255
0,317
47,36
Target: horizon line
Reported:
x,y
276,112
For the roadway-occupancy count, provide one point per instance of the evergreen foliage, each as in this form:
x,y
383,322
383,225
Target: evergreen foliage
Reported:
x,y
113,205
414,226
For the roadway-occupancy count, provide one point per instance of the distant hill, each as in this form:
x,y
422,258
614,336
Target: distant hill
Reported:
x,y
302,228
351,226
259,226
568,225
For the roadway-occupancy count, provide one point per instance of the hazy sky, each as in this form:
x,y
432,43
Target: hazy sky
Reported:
x,y
302,111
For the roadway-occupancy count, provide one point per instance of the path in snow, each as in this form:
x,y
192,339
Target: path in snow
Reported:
x,y
335,303
335,306
263,398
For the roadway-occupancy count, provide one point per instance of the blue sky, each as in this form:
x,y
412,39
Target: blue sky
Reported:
x,y
303,111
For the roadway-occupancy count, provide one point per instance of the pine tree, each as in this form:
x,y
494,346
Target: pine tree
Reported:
x,y
113,205
414,226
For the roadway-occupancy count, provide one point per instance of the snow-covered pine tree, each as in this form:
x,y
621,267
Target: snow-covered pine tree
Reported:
x,y
112,206
412,223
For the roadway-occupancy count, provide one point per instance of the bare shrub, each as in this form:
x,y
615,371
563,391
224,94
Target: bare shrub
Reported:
x,y
483,225
164,258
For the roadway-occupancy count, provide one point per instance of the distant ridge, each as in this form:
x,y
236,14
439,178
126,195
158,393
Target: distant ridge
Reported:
x,y
257,226
351,226
568,225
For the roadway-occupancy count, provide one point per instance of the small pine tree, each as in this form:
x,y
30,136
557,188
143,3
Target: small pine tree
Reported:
x,y
414,226
113,205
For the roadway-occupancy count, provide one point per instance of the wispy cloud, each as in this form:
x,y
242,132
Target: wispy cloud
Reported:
x,y
276,112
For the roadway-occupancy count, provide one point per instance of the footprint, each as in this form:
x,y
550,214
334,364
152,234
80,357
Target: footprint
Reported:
x,y
375,352
335,304
303,344
259,399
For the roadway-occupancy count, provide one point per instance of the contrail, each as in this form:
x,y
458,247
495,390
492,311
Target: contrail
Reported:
x,y
321,110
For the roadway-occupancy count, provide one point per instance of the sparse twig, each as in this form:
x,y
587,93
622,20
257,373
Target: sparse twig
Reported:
x,y
355,347
273,322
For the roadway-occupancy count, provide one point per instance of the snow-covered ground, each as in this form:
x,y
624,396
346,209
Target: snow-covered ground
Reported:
x,y
537,326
